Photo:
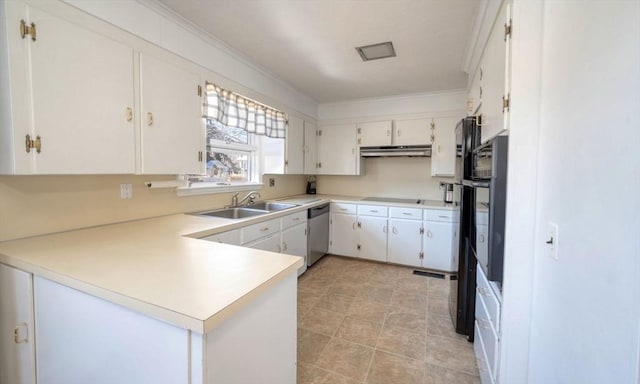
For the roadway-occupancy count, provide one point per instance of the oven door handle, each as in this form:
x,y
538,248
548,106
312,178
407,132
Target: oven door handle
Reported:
x,y
476,184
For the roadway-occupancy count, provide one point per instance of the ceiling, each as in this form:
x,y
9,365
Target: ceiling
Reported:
x,y
311,43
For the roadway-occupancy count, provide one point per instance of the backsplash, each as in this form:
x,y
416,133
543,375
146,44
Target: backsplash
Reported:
x,y
407,177
35,205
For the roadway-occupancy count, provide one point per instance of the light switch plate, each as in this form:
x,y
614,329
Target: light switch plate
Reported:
x,y
552,241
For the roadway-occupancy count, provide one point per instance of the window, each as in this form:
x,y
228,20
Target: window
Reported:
x,y
234,125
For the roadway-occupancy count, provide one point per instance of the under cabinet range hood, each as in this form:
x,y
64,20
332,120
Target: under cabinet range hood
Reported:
x,y
395,151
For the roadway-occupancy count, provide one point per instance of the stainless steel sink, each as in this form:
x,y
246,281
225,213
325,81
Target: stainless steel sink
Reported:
x,y
234,213
271,206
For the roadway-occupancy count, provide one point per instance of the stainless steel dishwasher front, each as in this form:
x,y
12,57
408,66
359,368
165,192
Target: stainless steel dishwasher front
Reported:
x,y
318,238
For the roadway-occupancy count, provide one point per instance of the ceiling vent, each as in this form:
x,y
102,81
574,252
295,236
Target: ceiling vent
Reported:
x,y
376,51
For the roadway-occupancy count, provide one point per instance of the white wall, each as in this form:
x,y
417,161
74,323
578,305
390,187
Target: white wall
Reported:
x,y
586,305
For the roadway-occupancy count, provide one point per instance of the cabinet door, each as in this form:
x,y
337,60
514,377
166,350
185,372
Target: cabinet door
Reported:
x,y
16,349
412,132
405,242
294,160
82,87
437,246
270,243
337,150
372,234
310,148
344,235
172,123
493,80
374,134
228,237
294,241
443,151
272,153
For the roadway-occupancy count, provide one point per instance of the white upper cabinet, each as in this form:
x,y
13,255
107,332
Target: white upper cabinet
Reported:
x,y
412,132
443,147
337,153
294,147
72,87
172,124
310,148
375,134
494,64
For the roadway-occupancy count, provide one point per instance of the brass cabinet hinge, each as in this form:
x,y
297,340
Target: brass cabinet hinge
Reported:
x,y
286,163
199,90
421,231
359,141
421,255
358,247
506,103
29,144
320,132
507,30
27,30
359,131
200,156
359,224
319,165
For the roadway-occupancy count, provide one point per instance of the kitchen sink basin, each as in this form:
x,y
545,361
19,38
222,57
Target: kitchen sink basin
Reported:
x,y
234,213
271,206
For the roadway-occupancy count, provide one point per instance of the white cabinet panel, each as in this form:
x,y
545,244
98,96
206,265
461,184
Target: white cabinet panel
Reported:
x,y
81,86
337,150
372,233
375,134
228,237
412,132
172,124
270,243
310,148
294,219
294,143
443,150
437,246
344,234
16,349
405,213
77,333
344,208
258,230
494,64
405,242
372,210
294,240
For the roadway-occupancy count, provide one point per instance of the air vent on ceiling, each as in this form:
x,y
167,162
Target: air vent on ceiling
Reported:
x,y
376,51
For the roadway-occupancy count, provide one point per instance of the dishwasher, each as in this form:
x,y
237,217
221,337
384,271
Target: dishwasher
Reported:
x,y
318,233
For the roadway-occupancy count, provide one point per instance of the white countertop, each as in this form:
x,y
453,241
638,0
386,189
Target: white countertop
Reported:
x,y
159,267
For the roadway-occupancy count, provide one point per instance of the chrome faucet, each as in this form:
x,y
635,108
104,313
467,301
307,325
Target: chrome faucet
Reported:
x,y
250,198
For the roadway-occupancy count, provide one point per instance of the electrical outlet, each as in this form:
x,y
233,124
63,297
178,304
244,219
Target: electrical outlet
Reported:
x,y
272,182
552,241
126,191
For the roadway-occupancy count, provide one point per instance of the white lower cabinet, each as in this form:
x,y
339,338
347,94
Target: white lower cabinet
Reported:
x,y
85,339
405,242
344,233
16,327
440,228
294,240
372,237
487,328
229,237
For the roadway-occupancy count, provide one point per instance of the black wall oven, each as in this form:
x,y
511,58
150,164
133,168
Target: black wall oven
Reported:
x,y
489,178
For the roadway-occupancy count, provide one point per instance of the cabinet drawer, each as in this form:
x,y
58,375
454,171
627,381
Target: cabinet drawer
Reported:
x,y
229,237
405,213
256,231
485,292
438,215
486,332
294,219
343,208
481,357
372,210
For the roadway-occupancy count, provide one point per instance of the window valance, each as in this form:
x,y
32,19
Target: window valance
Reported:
x,y
237,111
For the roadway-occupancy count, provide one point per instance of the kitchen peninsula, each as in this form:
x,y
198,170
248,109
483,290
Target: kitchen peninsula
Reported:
x,y
160,305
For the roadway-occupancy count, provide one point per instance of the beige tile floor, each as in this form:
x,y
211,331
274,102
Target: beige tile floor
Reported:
x,y
365,322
